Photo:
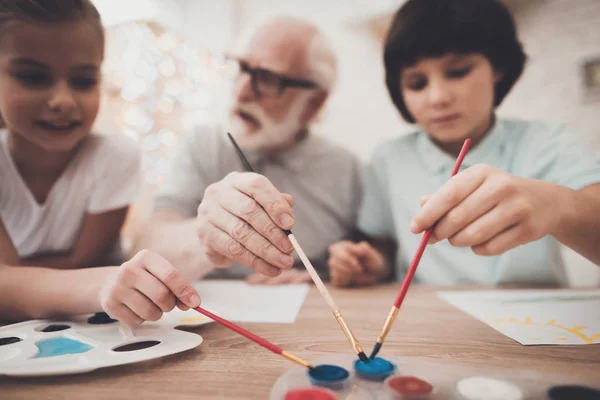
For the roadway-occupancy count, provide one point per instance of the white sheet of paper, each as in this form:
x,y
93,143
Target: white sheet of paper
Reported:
x,y
238,301
535,317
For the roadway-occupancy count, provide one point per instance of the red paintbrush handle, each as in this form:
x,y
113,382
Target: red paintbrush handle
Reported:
x,y
461,157
412,269
274,348
415,262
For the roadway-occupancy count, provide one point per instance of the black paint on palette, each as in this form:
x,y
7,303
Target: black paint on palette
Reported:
x,y
54,328
101,318
136,346
9,340
573,393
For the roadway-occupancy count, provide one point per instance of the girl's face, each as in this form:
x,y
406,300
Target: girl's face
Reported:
x,y
50,82
451,97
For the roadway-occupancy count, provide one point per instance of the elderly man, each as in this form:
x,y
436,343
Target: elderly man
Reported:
x,y
212,214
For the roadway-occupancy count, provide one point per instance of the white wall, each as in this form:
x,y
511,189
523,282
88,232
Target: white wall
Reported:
x,y
115,12
208,23
558,36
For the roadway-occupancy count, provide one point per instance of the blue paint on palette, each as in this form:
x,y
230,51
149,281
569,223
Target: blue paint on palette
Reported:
x,y
61,346
376,369
330,376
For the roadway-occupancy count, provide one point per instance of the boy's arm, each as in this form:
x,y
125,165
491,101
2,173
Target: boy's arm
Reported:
x,y
579,225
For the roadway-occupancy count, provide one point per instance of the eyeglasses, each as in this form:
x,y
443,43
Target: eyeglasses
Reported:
x,y
268,83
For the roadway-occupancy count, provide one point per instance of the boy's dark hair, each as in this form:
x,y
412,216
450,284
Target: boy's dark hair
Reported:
x,y
432,28
51,11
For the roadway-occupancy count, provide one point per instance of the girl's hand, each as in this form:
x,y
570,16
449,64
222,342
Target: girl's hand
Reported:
x,y
144,288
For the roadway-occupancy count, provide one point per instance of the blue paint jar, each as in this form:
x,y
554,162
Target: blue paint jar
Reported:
x,y
376,369
329,376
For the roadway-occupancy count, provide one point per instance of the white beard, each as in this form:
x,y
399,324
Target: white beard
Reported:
x,y
271,134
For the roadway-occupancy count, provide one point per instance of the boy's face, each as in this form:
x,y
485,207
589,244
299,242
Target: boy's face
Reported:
x,y
450,97
50,82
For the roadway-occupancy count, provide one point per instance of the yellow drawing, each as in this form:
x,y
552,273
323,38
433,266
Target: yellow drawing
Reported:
x,y
549,327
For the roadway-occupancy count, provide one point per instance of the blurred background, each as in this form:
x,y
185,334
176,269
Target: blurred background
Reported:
x,y
163,74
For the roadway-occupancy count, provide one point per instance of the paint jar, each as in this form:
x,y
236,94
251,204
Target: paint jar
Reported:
x,y
310,394
376,369
572,392
487,388
403,387
329,376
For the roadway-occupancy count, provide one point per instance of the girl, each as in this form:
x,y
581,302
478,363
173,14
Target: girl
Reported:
x,y
64,193
524,187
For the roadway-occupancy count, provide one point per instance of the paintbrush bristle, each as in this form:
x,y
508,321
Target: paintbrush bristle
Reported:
x,y
376,349
363,357
240,154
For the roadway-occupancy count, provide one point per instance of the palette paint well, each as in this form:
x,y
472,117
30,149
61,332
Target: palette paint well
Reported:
x,y
146,344
573,392
61,346
327,375
53,328
310,394
376,369
409,386
485,388
100,318
5,341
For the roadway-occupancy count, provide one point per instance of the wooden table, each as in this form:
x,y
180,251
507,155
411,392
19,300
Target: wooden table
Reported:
x,y
229,366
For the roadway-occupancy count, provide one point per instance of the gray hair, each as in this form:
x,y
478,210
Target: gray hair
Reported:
x,y
321,62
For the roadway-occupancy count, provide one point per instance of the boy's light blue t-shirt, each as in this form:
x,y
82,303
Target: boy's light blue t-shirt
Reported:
x,y
405,169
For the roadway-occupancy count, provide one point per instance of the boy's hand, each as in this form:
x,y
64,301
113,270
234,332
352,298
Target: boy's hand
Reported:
x,y
490,210
355,263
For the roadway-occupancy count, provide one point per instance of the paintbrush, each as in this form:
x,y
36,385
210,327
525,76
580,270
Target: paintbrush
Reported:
x,y
257,339
126,331
413,266
312,272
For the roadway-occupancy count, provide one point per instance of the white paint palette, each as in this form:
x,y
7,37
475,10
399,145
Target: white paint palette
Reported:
x,y
83,344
